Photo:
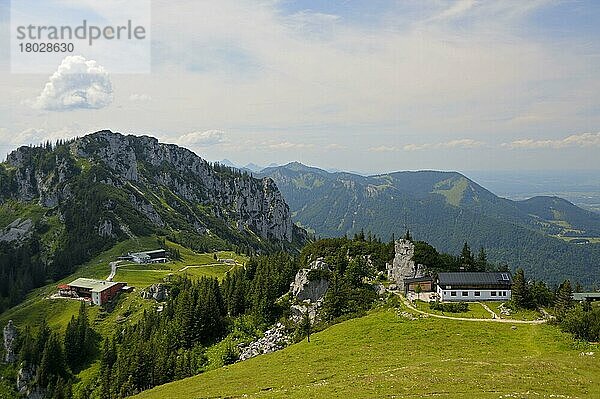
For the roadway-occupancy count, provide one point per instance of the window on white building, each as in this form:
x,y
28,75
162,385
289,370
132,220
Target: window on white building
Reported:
x,y
477,293
465,293
493,293
453,293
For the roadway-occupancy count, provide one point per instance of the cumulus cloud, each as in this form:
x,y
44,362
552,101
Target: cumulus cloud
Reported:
x,y
203,139
78,83
574,140
458,143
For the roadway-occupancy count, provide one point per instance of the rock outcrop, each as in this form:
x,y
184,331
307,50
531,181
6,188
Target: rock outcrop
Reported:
x,y
158,292
10,341
255,204
25,378
18,230
308,290
403,267
151,180
273,340
311,284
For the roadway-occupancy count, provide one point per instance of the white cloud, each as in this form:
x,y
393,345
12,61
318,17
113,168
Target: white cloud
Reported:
x,y
575,140
384,148
286,145
458,143
202,139
457,9
78,83
135,97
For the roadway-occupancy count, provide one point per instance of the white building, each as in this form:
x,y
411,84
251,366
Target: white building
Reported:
x,y
474,286
156,256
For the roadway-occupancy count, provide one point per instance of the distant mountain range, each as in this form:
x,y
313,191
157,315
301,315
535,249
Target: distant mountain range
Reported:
x,y
447,209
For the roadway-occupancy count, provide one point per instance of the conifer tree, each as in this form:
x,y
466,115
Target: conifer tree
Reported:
x,y
564,299
466,258
305,326
53,363
521,297
481,262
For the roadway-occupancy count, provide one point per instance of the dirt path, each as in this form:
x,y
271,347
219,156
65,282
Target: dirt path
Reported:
x,y
212,264
113,270
494,315
497,320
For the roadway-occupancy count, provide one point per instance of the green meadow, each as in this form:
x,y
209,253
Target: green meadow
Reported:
x,y
38,304
384,355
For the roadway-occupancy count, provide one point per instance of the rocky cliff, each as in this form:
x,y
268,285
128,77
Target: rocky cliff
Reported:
x,y
62,204
138,164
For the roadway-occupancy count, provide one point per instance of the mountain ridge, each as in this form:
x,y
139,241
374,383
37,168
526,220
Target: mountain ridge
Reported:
x,y
445,209
84,195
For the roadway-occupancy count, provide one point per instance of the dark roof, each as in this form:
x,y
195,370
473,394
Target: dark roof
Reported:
x,y
474,278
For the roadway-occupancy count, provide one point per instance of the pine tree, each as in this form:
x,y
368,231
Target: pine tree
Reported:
x,y
521,297
305,327
481,260
53,363
564,299
72,349
466,258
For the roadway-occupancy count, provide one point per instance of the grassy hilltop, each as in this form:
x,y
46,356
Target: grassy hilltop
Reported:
x,y
384,355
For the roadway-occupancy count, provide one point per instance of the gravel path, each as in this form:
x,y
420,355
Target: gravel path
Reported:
x,y
411,307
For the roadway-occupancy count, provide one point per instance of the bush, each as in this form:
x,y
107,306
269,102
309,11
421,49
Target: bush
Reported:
x,y
450,307
318,274
230,355
583,322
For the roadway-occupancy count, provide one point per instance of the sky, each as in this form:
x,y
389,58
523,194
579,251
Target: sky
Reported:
x,y
370,86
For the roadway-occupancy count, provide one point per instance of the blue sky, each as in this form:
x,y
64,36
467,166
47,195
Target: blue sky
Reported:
x,y
360,85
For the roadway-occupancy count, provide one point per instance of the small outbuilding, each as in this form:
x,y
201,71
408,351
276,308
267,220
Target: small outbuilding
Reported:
x,y
425,283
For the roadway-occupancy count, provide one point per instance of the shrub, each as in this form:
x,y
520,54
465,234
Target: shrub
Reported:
x,y
450,307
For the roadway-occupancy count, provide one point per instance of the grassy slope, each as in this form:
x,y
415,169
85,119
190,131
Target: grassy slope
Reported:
x,y
383,355
128,308
59,311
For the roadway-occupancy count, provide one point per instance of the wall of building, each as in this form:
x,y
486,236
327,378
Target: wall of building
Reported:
x,y
484,295
425,286
96,299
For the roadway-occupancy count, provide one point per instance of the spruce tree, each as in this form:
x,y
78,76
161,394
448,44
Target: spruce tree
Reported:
x,y
305,326
520,290
466,258
564,299
481,260
53,363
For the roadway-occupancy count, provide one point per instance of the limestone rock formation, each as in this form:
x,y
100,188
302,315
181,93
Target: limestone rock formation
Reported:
x,y
403,266
10,340
140,167
25,377
18,230
273,340
299,309
311,284
158,292
256,204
